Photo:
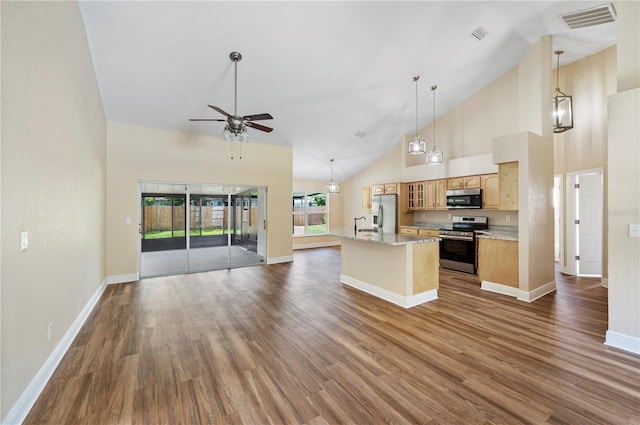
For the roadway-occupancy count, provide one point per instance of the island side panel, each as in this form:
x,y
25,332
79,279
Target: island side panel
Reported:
x,y
381,265
498,261
426,267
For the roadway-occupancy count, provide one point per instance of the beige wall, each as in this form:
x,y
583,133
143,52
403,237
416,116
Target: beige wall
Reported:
x,y
137,153
53,184
589,80
623,205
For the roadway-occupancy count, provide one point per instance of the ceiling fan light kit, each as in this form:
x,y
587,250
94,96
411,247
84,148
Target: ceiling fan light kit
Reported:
x,y
235,128
434,157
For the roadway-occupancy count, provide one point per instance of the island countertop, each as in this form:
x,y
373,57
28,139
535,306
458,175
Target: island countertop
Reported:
x,y
381,237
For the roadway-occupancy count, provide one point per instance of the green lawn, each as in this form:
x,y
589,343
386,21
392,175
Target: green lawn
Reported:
x,y
181,233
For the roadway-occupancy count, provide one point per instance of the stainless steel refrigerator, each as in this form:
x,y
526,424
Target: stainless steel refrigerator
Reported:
x,y
385,212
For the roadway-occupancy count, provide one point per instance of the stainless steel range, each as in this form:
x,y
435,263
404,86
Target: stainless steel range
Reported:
x,y
458,243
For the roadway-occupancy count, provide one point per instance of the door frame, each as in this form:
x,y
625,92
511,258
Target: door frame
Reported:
x,y
227,190
571,265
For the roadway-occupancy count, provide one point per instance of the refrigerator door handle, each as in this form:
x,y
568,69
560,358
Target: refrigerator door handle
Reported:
x,y
380,216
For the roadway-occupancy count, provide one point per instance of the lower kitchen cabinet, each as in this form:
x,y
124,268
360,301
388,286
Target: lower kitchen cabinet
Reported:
x,y
432,233
407,230
498,261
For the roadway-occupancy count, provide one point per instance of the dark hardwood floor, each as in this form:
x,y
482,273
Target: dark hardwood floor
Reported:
x,y
288,344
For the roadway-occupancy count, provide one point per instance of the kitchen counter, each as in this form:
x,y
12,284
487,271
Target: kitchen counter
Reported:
x,y
381,238
401,269
503,233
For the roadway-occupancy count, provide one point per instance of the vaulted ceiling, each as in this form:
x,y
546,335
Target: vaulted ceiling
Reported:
x,y
336,76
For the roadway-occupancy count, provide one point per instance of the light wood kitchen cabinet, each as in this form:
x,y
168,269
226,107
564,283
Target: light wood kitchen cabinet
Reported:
x,y
390,188
472,182
384,189
508,173
465,182
498,261
432,233
365,198
455,183
490,185
407,230
436,194
377,189
415,196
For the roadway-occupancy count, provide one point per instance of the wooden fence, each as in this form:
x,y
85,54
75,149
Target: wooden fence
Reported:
x,y
315,215
157,218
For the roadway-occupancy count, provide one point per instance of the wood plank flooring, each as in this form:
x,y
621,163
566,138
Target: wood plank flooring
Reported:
x,y
288,344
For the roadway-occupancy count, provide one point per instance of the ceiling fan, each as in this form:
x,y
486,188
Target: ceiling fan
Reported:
x,y
236,124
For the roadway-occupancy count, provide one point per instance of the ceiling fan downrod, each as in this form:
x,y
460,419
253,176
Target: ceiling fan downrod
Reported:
x,y
235,57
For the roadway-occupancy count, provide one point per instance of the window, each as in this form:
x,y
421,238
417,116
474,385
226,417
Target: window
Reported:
x,y
310,213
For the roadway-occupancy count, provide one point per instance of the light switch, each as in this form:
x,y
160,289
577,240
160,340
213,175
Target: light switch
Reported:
x,y
24,241
634,230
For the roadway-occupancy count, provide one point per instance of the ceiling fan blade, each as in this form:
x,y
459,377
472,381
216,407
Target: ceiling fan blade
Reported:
x,y
259,127
223,112
205,119
257,117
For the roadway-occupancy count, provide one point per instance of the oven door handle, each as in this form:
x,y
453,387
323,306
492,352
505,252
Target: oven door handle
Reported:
x,y
457,238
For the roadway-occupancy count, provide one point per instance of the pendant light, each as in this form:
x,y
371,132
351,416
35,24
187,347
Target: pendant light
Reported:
x,y
417,145
332,187
562,104
434,157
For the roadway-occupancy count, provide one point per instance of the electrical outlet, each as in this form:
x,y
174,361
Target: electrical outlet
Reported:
x,y
507,217
49,331
448,216
634,230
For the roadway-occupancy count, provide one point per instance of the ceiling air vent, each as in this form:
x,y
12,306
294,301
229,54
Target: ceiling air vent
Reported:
x,y
590,17
479,33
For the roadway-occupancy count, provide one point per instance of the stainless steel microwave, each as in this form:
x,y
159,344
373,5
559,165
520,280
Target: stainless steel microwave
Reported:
x,y
464,199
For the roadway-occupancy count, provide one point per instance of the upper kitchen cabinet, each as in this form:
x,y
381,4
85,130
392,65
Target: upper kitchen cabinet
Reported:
x,y
508,172
415,196
466,182
384,189
490,185
436,194
366,198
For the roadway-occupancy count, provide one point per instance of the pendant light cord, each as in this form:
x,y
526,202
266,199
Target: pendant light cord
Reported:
x,y
433,89
416,78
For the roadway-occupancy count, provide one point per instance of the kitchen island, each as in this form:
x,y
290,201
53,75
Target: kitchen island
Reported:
x,y
401,269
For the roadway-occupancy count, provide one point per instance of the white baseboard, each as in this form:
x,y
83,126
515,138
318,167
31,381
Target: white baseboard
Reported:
x,y
499,288
21,408
516,292
539,292
276,260
316,245
623,342
122,278
389,296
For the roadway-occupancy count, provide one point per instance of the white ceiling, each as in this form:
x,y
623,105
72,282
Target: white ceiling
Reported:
x,y
325,70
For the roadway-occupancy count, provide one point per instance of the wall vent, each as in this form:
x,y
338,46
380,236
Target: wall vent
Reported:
x,y
590,17
479,33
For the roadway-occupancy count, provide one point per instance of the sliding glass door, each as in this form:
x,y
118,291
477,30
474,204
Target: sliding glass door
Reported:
x,y
224,229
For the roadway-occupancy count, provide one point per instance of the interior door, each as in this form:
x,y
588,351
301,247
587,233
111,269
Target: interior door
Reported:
x,y
590,224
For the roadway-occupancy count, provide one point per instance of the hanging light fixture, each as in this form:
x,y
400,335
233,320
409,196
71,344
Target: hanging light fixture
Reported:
x,y
417,145
435,156
333,187
562,104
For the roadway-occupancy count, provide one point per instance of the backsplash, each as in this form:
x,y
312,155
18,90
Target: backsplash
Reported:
x,y
496,218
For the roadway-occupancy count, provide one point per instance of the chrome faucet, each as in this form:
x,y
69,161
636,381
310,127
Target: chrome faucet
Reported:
x,y
355,223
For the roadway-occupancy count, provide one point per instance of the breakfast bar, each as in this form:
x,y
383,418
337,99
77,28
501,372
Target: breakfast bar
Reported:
x,y
401,269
